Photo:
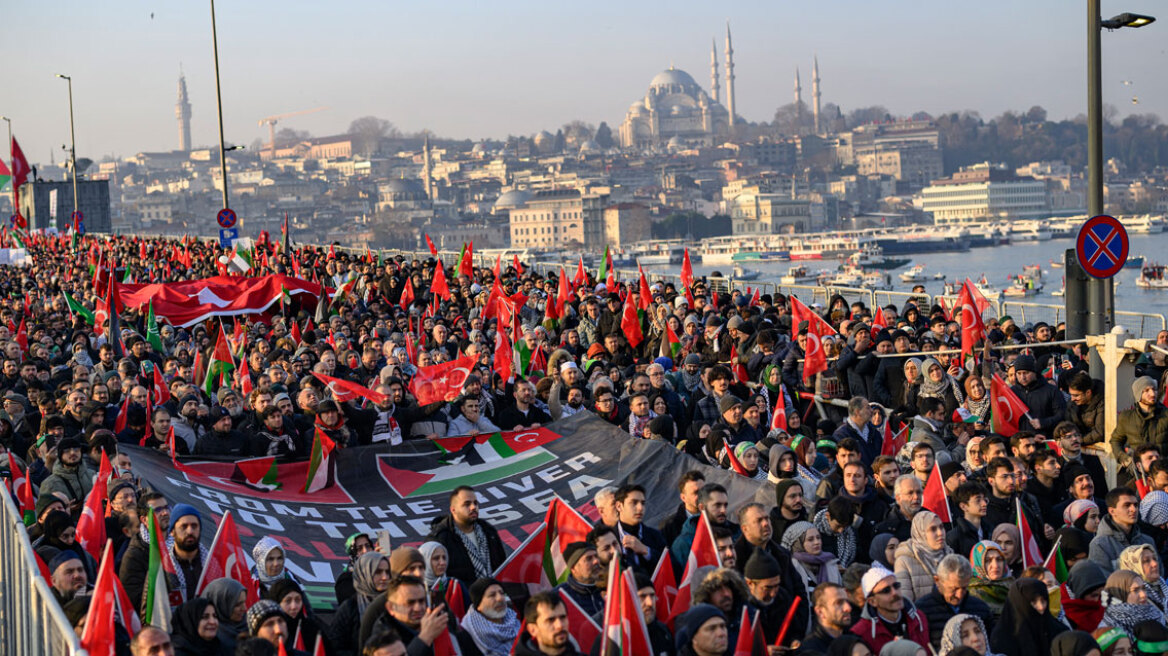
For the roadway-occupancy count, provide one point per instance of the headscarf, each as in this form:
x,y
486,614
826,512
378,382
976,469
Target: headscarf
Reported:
x,y
1130,559
793,542
1021,629
1012,531
430,577
1116,609
260,554
979,407
900,647
363,572
876,550
919,544
224,592
951,635
934,389
994,593
1073,643
185,629
977,557
775,456
1076,510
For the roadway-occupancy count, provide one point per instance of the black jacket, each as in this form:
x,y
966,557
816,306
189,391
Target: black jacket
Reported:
x,y
510,417
132,572
937,611
671,527
789,579
1089,418
442,530
1045,402
963,536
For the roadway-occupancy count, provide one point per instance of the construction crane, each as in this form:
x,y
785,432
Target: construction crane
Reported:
x,y
271,121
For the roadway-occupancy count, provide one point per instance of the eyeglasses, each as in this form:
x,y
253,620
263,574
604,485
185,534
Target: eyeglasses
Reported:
x,y
890,588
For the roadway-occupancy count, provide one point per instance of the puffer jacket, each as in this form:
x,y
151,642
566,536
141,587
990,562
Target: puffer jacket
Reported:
x,y
1135,427
1045,401
1089,418
1109,541
724,576
73,482
915,577
875,633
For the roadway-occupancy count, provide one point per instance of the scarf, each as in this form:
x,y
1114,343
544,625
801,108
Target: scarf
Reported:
x,y
364,569
845,542
929,387
260,555
276,442
476,547
690,382
951,636
492,638
818,564
979,408
919,546
430,578
178,569
637,424
1126,616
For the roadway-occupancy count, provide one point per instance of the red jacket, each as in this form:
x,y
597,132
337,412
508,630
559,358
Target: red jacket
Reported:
x,y
875,633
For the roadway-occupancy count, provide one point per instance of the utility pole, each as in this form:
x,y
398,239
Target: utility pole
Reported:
x,y
219,106
73,144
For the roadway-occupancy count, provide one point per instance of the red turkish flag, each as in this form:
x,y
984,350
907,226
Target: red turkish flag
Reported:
x,y
934,498
161,391
580,625
665,585
430,244
646,297
779,415
1006,409
518,266
971,303
91,525
562,292
687,278
226,558
1031,555
441,382
893,443
814,360
631,324
624,623
504,355
466,264
878,321
438,285
98,636
703,552
344,390
20,167
407,295
581,277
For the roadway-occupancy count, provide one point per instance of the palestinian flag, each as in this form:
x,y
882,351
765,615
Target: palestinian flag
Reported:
x,y
18,240
257,473
242,258
606,272
564,526
322,469
673,343
153,337
1055,563
76,308
219,366
156,610
5,174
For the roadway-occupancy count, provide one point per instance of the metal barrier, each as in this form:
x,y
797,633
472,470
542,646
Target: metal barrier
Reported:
x,y
1149,324
1024,313
31,621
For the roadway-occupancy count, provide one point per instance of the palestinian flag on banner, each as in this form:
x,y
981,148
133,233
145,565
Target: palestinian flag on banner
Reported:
x,y
76,308
156,609
257,473
219,365
153,337
322,469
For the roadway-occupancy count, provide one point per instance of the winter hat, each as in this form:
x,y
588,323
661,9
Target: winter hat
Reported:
x,y
692,621
693,358
782,487
575,551
1086,576
62,558
182,510
478,590
727,402
872,578
403,557
1074,470
761,566
1154,508
116,485
1142,383
260,612
1026,363
949,469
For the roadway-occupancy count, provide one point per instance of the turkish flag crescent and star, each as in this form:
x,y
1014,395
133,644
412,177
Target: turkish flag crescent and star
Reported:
x,y
1006,409
441,382
189,302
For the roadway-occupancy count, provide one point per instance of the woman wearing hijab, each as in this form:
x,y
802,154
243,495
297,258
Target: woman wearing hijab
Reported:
x,y
195,630
1074,643
804,448
901,647
1010,542
61,534
991,575
1125,602
748,456
695,439
299,616
1142,560
963,630
436,580
1083,514
977,401
939,384
918,557
770,388
812,563
230,600
269,563
370,578
848,644
1026,627
1113,641
882,550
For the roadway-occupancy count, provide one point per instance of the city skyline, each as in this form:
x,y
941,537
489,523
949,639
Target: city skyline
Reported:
x,y
485,72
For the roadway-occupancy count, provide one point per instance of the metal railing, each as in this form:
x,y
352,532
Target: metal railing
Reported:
x,y
31,621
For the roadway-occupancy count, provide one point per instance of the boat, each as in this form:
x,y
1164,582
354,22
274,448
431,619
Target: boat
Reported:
x,y
741,273
876,280
1136,262
1152,277
1058,264
915,274
649,253
938,276
1143,223
1029,231
1022,287
872,256
1032,271
798,275
843,279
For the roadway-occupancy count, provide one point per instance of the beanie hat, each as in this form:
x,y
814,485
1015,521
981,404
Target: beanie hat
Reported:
x,y
692,621
872,578
949,469
760,566
1085,577
182,510
260,612
61,558
1074,542
781,488
693,359
403,557
1154,508
1073,470
1026,363
478,590
727,402
116,485
575,551
1140,384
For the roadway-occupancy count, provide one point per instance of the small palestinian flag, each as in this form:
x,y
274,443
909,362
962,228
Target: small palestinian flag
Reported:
x,y
257,473
220,364
674,343
321,467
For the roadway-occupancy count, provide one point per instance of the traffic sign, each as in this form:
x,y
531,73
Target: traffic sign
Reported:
x,y
1102,246
226,218
227,236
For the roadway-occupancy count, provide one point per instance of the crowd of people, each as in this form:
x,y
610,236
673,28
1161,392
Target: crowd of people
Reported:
x,y
716,374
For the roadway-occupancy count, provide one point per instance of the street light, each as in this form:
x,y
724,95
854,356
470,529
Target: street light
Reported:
x,y
1100,292
73,139
219,105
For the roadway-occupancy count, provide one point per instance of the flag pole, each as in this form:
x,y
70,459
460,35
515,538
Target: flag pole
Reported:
x,y
1053,551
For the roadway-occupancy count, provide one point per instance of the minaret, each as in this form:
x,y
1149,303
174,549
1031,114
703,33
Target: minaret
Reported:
x,y
427,168
729,75
815,94
182,110
798,94
714,90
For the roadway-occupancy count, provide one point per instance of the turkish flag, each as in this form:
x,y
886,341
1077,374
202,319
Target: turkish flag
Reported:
x,y
624,628
441,382
344,390
779,414
878,321
687,278
438,286
703,552
186,303
161,391
972,304
665,585
1031,555
631,324
518,266
893,443
934,498
504,355
646,297
814,360
91,525
430,244
581,277
581,627
226,558
407,295
98,636
20,167
1006,409
466,264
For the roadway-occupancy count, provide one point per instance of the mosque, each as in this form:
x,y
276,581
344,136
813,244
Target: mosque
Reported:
x,y
677,113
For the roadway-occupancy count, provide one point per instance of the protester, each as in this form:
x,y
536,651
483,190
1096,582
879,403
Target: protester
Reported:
x,y
964,630
490,621
991,576
1026,626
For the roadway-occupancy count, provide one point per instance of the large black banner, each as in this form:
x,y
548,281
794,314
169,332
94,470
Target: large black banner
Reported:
x,y
403,489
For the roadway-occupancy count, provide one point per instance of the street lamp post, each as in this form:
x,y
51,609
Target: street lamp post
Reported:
x,y
72,140
219,106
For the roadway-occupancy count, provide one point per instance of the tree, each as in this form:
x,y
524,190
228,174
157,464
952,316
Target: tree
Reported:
x,y
560,142
577,132
367,133
604,136
286,136
792,119
1036,114
866,115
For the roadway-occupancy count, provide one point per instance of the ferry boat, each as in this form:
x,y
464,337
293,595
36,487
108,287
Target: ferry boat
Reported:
x,y
716,251
1152,277
741,273
828,247
872,257
924,241
649,253
982,235
987,290
1022,287
1148,224
876,280
915,274
1136,262
799,275
1029,231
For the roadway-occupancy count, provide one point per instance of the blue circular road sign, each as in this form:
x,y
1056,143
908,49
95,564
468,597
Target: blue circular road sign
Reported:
x,y
226,218
1102,246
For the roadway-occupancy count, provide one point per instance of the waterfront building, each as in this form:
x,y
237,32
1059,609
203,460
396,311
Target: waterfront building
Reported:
x,y
982,193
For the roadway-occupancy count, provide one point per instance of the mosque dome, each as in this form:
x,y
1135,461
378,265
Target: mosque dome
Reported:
x,y
512,199
589,146
544,137
400,189
672,80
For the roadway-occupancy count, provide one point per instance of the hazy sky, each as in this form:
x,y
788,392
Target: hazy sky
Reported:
x,y
489,69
